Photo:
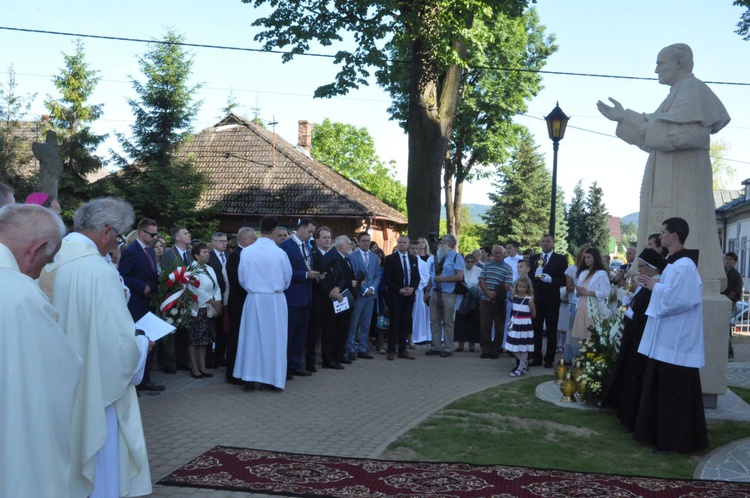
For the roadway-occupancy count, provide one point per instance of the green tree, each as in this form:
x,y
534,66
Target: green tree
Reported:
x,y
743,26
629,233
483,130
595,222
561,223
723,173
71,116
13,147
521,203
351,151
231,107
438,34
576,218
161,183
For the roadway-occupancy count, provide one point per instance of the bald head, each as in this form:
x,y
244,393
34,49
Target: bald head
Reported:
x,y
32,233
247,236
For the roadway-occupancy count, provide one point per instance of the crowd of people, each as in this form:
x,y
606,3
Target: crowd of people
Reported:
x,y
276,305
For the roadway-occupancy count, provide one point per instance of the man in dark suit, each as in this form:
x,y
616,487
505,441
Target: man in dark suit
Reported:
x,y
217,259
548,276
298,295
401,274
321,310
236,300
365,262
138,270
339,276
176,344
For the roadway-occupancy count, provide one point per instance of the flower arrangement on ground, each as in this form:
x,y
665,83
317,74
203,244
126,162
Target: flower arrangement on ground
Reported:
x,y
598,354
175,301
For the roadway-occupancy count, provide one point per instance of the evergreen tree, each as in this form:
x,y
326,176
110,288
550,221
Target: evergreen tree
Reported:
x,y
13,154
160,183
595,223
520,205
561,223
577,219
71,117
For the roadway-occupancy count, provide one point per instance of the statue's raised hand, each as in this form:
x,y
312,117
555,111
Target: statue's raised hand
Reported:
x,y
614,113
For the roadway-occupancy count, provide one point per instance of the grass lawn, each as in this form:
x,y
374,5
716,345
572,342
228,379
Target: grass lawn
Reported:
x,y
510,425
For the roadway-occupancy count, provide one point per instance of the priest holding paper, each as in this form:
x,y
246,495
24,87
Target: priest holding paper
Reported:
x,y
265,273
39,390
108,445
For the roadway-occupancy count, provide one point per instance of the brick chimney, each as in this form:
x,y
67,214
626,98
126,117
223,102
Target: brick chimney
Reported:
x,y
304,136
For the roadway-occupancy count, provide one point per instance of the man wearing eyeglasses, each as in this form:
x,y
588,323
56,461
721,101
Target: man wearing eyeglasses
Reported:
x,y
138,270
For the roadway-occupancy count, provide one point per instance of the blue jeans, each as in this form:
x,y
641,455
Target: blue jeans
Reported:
x,y
359,326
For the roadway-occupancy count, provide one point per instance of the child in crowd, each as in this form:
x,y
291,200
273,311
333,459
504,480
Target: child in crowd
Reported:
x,y
520,338
523,267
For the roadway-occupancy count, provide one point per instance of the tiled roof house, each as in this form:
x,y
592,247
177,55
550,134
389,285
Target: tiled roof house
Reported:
x,y
254,173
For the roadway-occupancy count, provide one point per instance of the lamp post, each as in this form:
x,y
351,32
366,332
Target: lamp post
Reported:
x,y
557,121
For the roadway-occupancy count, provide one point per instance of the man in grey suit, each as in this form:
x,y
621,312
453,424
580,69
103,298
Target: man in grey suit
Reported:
x,y
176,345
364,263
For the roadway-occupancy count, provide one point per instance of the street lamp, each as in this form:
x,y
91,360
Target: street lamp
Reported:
x,y
557,121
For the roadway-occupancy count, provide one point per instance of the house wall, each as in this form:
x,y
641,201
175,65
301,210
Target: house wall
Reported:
x,y
734,234
381,231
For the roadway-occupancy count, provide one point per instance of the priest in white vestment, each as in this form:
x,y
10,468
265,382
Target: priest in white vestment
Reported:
x,y
38,391
108,444
264,272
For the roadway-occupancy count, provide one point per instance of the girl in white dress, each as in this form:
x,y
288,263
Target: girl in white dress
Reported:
x,y
592,289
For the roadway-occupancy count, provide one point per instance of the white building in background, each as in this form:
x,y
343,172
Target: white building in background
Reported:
x,y
733,224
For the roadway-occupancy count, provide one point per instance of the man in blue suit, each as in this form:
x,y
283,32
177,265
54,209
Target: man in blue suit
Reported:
x,y
298,294
138,270
365,263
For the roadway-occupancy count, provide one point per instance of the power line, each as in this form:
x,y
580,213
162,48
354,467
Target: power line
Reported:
x,y
329,56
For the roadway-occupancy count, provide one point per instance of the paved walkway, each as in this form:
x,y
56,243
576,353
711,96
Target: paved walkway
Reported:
x,y
357,412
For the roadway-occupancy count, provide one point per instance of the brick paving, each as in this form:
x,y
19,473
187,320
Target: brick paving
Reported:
x,y
356,412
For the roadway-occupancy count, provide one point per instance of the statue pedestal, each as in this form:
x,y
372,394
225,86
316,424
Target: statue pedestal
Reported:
x,y
716,311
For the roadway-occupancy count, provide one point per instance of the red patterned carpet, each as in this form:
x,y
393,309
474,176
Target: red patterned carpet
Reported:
x,y
290,474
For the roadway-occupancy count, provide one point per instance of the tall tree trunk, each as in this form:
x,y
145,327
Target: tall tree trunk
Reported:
x,y
457,203
432,107
450,213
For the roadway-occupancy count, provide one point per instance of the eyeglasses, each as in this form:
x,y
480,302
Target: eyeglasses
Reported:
x,y
151,234
120,238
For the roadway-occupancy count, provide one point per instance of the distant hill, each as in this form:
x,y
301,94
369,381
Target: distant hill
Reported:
x,y
476,210
631,217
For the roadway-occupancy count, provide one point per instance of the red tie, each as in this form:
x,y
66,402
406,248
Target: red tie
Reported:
x,y
148,255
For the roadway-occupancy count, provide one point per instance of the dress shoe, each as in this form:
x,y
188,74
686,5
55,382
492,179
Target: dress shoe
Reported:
x,y
199,376
311,369
351,356
333,365
345,361
484,355
445,354
236,382
391,356
149,386
405,355
535,363
494,356
207,375
432,352
289,376
249,386
301,373
547,365
169,369
365,355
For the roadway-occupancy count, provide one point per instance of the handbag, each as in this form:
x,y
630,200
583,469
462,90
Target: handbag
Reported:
x,y
383,321
461,288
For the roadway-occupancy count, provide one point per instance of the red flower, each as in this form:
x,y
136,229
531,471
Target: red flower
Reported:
x,y
170,283
195,298
196,283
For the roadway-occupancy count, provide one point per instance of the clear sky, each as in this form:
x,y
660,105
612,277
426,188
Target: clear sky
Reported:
x,y
612,38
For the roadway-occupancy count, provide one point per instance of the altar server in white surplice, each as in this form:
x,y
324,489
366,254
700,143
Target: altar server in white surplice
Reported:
x,y
108,445
264,273
38,388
